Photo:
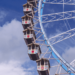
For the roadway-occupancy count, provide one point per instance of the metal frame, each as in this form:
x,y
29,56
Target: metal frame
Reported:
x,y
58,16
63,36
67,2
55,54
73,63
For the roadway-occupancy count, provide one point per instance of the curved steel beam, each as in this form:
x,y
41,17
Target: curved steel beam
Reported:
x,y
64,64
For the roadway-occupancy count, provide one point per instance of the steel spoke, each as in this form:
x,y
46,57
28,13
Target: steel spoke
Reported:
x,y
66,2
58,16
62,36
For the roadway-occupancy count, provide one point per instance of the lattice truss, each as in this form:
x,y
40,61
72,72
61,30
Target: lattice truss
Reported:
x,y
58,16
46,53
58,38
68,2
63,36
73,63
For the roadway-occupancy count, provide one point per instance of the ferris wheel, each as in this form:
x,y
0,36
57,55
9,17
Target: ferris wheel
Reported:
x,y
44,46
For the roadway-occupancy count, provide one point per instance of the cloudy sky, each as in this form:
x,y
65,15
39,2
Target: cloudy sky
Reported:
x,y
13,50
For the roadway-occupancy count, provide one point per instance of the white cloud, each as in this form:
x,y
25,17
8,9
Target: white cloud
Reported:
x,y
56,33
69,54
51,10
49,25
12,45
2,15
74,1
13,50
12,68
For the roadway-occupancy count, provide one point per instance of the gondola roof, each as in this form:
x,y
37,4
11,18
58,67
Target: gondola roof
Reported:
x,y
27,4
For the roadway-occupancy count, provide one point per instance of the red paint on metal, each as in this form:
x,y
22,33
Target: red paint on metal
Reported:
x,y
25,21
27,9
42,68
28,36
32,51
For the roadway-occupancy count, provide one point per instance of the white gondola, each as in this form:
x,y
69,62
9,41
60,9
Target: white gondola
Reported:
x,y
29,36
34,2
34,51
43,66
27,21
28,9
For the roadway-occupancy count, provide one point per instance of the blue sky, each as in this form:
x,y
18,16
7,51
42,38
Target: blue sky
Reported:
x,y
12,9
66,47
13,50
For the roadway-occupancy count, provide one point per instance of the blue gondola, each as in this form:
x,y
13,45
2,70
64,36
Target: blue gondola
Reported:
x,y
43,66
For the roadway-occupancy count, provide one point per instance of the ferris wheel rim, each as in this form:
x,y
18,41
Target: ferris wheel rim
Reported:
x,y
55,53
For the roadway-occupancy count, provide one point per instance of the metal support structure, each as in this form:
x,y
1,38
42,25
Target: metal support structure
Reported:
x,y
45,53
54,17
63,36
63,63
58,16
73,63
66,2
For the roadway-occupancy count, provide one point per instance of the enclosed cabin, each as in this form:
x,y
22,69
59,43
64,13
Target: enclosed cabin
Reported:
x,y
33,2
28,9
29,36
27,21
34,51
43,66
